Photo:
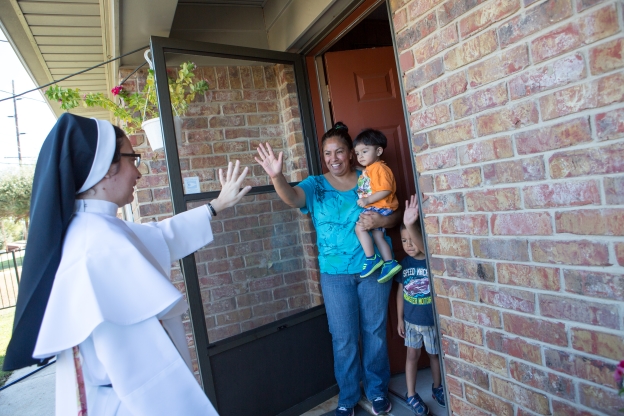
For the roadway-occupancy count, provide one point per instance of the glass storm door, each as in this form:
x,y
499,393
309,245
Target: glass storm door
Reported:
x,y
257,326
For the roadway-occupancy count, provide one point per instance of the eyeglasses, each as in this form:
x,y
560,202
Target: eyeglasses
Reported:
x,y
136,156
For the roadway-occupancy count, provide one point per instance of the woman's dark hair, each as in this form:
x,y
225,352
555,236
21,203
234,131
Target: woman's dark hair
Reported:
x,y
341,131
119,135
371,137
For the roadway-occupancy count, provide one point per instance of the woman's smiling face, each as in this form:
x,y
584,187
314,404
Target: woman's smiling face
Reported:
x,y
337,156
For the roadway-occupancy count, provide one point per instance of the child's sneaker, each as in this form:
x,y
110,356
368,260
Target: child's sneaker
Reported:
x,y
389,269
381,406
371,264
344,411
417,405
438,395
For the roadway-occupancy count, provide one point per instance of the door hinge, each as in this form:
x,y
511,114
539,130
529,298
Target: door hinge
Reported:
x,y
328,94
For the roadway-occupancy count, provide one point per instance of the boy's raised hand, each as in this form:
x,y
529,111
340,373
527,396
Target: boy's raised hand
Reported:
x,y
410,215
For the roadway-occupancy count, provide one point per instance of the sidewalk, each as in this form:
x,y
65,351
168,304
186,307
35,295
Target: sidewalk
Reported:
x,y
33,396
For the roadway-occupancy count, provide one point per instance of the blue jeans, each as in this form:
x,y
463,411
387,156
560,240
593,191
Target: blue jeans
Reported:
x,y
357,310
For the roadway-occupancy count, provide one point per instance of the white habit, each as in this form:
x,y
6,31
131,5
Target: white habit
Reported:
x,y
110,292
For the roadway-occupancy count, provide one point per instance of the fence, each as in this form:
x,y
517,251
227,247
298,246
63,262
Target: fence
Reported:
x,y
10,270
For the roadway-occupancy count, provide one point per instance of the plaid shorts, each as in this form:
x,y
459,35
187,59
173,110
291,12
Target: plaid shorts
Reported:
x,y
415,335
383,211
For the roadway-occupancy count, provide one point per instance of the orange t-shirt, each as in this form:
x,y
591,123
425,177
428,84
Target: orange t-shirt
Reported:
x,y
378,177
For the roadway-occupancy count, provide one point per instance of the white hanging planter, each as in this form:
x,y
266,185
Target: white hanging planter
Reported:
x,y
154,132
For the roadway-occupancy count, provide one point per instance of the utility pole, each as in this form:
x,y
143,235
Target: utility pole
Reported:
x,y
17,132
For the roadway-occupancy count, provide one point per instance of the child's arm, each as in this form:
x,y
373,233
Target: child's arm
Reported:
x,y
410,219
399,300
372,198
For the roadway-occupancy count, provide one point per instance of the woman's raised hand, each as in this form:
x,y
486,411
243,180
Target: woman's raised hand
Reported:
x,y
272,165
231,191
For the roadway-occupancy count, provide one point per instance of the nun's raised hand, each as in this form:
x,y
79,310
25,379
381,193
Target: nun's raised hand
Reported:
x,y
231,191
272,165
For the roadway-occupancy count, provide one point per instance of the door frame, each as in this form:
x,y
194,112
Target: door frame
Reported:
x,y
205,350
320,105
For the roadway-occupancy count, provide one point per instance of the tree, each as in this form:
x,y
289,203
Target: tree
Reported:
x,y
15,192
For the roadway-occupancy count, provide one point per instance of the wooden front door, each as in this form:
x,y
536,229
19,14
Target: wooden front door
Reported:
x,y
364,92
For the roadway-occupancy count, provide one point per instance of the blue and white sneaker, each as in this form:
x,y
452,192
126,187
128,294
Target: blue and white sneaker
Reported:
x,y
417,405
344,411
371,264
381,406
389,269
438,395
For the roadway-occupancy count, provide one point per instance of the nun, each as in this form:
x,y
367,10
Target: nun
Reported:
x,y
95,289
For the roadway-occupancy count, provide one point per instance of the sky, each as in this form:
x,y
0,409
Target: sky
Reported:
x,y
34,116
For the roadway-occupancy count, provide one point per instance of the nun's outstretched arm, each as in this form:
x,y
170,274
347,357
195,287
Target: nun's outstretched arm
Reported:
x,y
147,372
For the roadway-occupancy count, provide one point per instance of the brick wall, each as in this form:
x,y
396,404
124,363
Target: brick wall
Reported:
x,y
517,129
262,265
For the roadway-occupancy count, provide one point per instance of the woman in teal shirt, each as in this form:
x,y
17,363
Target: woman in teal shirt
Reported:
x,y
356,308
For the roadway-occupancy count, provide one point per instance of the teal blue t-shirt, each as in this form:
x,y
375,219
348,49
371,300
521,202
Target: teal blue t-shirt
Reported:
x,y
334,214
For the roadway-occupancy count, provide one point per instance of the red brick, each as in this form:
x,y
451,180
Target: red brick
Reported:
x,y
471,50
601,160
588,29
470,269
522,223
454,386
462,331
607,57
583,252
566,409
425,183
424,74
443,306
455,8
450,246
417,8
578,310
484,17
485,150
449,87
480,101
511,299
500,66
546,278
509,118
417,31
502,199
488,402
600,399
481,315
610,125
466,372
454,288
566,134
397,4
598,343
483,359
436,43
406,60
460,407
443,203
414,102
559,73
432,225
457,179
400,20
591,222
545,381
528,398
516,347
465,224
437,266
530,169
430,117
451,134
594,284
224,121
538,329
436,160
534,20
561,194
593,370
598,93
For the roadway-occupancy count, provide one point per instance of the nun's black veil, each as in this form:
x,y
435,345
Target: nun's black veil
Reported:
x,y
62,168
